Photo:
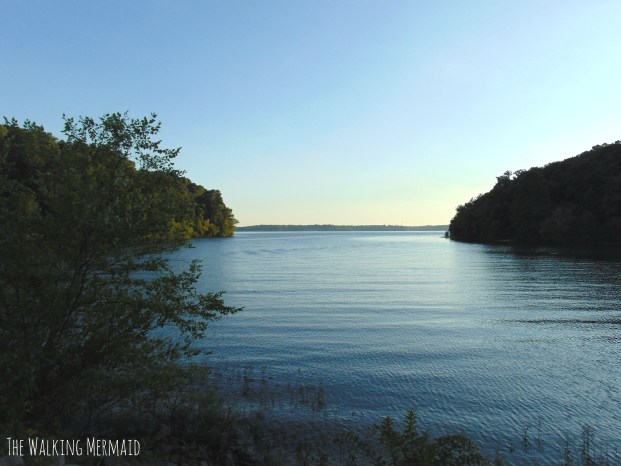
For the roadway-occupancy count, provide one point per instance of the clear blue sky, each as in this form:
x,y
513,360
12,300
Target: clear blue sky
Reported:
x,y
347,112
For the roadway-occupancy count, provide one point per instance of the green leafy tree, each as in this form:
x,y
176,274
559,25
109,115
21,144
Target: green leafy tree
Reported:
x,y
92,317
211,215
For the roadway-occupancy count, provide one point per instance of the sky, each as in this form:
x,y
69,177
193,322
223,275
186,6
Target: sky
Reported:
x,y
329,111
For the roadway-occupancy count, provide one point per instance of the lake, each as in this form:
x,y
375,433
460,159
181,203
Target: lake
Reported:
x,y
517,347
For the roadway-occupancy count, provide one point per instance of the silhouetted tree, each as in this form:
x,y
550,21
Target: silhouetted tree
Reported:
x,y
576,200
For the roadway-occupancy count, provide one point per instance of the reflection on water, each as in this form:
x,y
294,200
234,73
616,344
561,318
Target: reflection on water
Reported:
x,y
572,321
493,340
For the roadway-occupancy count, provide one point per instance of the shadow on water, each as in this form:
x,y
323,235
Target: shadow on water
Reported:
x,y
568,321
594,252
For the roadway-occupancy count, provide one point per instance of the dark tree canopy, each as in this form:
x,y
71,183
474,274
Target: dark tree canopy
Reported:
x,y
90,311
577,200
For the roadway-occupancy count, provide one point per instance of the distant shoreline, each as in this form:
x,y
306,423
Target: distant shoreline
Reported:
x,y
343,228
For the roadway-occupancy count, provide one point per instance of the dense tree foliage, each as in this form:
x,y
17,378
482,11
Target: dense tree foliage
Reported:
x,y
91,314
577,200
211,216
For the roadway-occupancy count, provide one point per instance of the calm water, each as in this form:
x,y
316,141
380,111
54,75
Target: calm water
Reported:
x,y
491,340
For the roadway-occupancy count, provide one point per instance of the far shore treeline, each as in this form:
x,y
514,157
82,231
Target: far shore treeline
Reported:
x,y
317,227
574,201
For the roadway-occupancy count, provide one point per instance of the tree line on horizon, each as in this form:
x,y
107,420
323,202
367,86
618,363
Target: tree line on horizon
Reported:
x,y
577,200
330,227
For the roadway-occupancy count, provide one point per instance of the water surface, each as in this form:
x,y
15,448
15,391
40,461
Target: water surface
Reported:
x,y
499,342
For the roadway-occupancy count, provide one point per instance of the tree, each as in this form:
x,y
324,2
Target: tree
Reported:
x,y
91,313
211,215
577,200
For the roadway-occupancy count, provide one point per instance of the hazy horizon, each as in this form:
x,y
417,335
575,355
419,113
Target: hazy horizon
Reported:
x,y
329,113
341,225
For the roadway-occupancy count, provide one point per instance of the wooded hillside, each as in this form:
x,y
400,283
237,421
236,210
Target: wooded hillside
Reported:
x,y
577,200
